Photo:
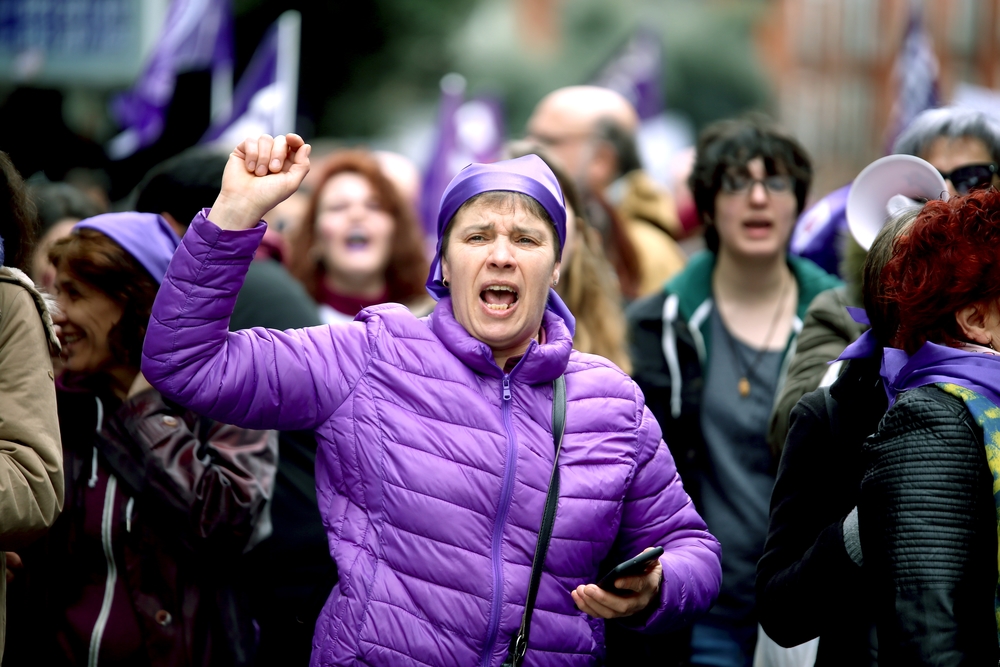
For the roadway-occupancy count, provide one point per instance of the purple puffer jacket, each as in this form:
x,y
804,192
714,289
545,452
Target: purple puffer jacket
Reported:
x,y
432,468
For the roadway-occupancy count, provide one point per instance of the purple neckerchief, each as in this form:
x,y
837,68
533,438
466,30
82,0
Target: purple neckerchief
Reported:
x,y
930,364
934,363
528,175
866,345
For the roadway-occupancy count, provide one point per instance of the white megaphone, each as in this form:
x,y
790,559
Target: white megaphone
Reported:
x,y
886,186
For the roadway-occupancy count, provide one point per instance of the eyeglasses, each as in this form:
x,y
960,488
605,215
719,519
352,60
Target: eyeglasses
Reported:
x,y
970,177
735,184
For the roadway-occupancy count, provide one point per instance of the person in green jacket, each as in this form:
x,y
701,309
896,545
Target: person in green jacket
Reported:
x,y
711,352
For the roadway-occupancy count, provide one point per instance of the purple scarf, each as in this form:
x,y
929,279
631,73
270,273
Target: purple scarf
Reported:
x,y
931,364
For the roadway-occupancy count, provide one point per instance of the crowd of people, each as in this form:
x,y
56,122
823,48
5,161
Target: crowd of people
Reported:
x,y
253,416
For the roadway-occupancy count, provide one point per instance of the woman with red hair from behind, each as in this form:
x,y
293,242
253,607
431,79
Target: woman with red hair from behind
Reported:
x,y
928,515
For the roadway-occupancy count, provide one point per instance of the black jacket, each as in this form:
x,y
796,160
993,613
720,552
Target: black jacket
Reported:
x,y
184,494
929,534
807,584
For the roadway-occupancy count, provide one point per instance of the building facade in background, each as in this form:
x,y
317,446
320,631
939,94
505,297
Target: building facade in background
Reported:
x,y
831,63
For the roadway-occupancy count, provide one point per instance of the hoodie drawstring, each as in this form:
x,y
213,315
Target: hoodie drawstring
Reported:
x,y
92,482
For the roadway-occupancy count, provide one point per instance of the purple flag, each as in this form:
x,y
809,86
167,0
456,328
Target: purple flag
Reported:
x,y
916,75
266,97
468,131
197,35
816,232
635,72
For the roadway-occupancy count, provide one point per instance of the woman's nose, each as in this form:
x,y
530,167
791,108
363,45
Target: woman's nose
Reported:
x,y
501,254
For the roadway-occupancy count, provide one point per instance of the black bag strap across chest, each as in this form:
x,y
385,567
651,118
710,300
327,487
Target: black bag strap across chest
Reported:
x,y
519,644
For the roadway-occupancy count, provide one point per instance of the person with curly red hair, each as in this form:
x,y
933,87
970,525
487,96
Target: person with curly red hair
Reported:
x,y
929,505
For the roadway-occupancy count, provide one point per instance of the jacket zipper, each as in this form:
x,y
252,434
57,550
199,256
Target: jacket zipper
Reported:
x,y
505,498
112,578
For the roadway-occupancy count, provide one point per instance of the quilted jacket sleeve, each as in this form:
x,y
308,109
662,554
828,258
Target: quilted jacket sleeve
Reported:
x,y
658,512
258,378
928,533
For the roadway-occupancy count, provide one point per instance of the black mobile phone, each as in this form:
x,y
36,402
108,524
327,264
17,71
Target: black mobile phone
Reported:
x,y
630,568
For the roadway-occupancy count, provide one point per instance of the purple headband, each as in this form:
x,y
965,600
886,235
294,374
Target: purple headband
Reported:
x,y
145,236
527,175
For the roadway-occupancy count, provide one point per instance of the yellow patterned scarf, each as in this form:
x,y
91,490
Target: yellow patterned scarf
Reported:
x,y
987,415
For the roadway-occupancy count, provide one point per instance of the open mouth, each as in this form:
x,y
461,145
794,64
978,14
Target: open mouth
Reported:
x,y
499,297
69,339
357,241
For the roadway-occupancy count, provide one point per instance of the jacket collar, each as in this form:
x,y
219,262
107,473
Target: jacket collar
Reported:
x,y
540,363
693,285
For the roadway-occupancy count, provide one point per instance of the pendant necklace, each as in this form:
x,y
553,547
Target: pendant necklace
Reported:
x,y
744,384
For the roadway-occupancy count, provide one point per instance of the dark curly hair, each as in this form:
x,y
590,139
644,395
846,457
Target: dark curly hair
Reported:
x,y
18,219
94,259
947,260
727,146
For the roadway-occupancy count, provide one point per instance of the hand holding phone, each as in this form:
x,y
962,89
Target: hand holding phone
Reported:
x,y
630,568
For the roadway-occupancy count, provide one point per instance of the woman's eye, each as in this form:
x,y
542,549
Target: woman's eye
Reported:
x,y
476,238
525,240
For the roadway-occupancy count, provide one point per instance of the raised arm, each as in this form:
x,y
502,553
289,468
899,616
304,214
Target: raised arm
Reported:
x,y
258,378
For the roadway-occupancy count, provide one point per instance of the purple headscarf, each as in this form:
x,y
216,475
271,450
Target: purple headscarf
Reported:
x,y
145,236
528,175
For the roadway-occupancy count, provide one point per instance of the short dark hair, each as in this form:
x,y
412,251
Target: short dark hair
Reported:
x,y
183,185
18,218
622,142
883,313
93,258
59,201
504,200
728,145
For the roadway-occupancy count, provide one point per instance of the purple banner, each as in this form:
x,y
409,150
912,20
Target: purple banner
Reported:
x,y
197,35
635,72
468,131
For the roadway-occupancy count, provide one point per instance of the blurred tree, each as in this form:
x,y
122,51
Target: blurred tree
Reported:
x,y
361,61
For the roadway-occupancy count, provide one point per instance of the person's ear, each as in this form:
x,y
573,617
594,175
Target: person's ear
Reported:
x,y
445,271
555,274
974,323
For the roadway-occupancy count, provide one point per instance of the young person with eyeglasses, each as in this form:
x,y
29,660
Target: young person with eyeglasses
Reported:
x,y
710,353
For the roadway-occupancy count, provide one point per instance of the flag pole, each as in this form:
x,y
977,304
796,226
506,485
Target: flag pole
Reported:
x,y
289,40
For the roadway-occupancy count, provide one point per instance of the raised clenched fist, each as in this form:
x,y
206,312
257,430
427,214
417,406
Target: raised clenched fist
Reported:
x,y
262,171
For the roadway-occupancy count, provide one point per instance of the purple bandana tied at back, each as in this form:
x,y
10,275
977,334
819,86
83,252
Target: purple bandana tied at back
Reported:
x,y
527,175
